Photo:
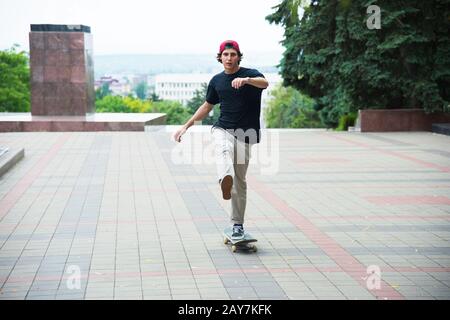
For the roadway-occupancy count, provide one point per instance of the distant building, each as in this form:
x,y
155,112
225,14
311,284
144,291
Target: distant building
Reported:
x,y
179,87
117,87
120,89
105,79
139,78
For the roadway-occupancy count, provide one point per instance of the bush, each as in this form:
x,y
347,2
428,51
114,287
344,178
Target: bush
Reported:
x,y
14,81
176,113
346,121
288,108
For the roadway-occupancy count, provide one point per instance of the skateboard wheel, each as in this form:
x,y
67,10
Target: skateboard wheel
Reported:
x,y
233,248
225,240
255,249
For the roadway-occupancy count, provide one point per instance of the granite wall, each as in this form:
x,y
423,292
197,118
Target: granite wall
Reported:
x,y
384,120
62,70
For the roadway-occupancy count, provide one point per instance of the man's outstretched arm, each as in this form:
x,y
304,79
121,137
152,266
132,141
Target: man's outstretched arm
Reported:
x,y
258,82
200,114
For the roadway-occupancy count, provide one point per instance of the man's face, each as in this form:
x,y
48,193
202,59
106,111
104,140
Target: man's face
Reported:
x,y
230,59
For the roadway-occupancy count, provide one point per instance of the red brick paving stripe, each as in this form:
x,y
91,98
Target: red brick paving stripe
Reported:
x,y
10,199
343,259
315,160
385,217
391,153
408,200
351,185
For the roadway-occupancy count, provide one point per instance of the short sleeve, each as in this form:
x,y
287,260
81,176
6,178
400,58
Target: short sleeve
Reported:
x,y
211,94
253,73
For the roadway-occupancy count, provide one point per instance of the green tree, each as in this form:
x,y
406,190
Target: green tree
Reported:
x,y
103,91
111,104
141,90
176,113
331,54
120,104
154,97
197,101
288,108
14,81
137,105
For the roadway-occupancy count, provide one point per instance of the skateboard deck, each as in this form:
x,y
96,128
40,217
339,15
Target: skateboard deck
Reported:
x,y
245,243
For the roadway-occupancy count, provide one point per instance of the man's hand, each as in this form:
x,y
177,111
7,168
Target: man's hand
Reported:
x,y
177,135
239,82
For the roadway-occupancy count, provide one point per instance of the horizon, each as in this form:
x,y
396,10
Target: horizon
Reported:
x,y
176,63
181,53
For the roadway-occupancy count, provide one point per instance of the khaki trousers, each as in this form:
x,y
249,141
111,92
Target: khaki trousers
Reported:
x,y
232,158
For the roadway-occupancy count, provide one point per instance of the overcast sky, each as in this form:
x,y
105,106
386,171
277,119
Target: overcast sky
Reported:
x,y
149,26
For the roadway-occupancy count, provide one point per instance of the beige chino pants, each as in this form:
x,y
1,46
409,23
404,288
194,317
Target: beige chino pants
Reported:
x,y
232,158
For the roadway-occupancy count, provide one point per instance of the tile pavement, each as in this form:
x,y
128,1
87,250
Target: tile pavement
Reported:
x,y
109,215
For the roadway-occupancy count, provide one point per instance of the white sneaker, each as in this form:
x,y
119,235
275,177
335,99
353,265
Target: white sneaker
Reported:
x,y
238,233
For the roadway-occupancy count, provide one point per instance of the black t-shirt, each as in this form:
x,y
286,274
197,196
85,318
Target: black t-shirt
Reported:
x,y
239,108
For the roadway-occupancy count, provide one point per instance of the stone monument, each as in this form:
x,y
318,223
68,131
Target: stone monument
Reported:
x,y
62,70
62,87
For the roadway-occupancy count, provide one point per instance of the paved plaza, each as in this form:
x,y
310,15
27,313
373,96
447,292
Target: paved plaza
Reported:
x,y
133,215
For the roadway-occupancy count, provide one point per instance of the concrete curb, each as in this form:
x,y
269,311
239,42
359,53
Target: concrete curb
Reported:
x,y
10,158
441,128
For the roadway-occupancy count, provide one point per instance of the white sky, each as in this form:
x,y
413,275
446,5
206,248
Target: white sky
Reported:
x,y
149,26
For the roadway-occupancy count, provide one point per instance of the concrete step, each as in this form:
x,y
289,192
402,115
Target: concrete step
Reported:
x,y
9,157
442,128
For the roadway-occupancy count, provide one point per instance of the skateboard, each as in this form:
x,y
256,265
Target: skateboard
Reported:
x,y
244,244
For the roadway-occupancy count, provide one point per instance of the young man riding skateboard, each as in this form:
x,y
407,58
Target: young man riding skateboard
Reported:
x,y
238,90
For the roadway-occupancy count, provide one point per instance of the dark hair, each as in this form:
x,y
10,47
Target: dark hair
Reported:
x,y
219,55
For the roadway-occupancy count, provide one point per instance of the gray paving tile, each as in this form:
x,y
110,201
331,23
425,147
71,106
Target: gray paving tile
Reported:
x,y
106,214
